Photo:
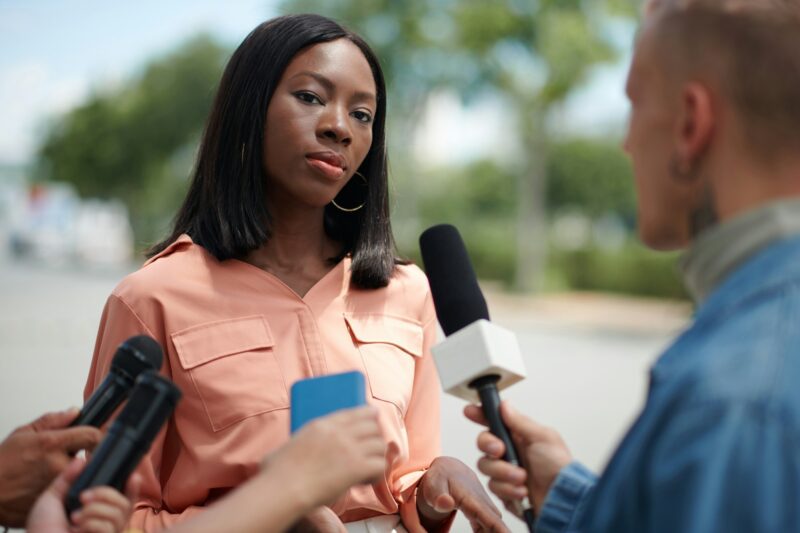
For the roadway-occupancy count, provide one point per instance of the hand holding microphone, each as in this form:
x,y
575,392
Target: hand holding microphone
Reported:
x,y
85,497
542,452
36,453
104,509
32,455
477,358
152,402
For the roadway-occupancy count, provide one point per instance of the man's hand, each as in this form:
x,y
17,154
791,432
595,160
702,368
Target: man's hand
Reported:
x,y
449,485
104,509
33,455
542,453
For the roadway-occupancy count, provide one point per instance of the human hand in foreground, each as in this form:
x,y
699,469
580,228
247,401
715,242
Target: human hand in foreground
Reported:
x,y
104,509
33,455
328,456
541,449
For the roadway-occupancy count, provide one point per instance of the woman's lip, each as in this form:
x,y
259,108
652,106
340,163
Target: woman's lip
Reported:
x,y
330,157
328,170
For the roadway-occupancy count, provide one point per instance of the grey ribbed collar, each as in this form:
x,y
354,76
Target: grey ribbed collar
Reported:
x,y
717,251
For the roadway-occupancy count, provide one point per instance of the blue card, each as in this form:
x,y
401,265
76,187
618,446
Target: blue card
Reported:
x,y
315,397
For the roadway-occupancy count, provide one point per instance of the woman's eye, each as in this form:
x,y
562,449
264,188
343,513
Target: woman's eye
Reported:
x,y
362,116
307,97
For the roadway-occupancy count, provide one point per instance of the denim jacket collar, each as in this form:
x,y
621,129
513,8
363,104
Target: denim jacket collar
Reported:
x,y
720,250
770,269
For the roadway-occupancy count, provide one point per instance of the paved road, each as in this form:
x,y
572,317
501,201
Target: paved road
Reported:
x,y
587,376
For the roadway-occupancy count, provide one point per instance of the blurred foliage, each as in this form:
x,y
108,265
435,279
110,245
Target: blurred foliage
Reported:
x,y
136,141
591,176
483,189
630,270
480,200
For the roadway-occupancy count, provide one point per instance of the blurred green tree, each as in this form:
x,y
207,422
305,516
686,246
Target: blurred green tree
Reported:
x,y
533,53
136,142
591,176
479,199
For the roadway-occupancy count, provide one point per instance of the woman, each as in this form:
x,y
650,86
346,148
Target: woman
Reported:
x,y
281,266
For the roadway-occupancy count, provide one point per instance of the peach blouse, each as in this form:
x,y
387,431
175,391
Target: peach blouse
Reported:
x,y
235,338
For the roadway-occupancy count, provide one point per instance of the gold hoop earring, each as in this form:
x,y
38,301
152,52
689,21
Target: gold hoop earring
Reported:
x,y
352,209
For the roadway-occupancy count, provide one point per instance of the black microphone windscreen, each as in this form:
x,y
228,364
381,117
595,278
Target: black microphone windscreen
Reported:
x,y
136,355
456,295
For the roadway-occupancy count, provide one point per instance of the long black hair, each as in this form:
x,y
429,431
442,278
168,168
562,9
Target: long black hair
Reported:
x,y
225,210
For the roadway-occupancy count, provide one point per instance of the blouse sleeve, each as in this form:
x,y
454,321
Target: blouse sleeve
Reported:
x,y
422,425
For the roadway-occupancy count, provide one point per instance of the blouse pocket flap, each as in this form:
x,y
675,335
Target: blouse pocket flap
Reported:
x,y
206,342
370,328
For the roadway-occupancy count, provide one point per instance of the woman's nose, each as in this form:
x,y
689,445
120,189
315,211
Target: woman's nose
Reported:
x,y
334,126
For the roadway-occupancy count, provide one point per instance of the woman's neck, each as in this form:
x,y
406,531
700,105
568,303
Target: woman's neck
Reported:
x,y
298,251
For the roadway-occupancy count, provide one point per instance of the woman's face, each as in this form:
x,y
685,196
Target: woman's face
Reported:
x,y
319,124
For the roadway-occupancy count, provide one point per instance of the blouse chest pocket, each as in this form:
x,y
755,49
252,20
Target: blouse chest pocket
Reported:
x,y
390,347
233,368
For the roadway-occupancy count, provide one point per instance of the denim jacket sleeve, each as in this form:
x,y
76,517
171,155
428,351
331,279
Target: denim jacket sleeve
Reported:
x,y
724,466
728,466
566,500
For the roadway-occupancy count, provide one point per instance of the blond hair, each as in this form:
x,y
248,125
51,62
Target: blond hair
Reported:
x,y
751,51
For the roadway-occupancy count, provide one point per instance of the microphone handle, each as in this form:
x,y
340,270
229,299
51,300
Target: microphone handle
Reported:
x,y
486,387
129,438
105,400
111,465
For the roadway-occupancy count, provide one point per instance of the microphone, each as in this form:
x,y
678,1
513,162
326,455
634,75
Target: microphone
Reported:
x,y
133,357
477,358
152,402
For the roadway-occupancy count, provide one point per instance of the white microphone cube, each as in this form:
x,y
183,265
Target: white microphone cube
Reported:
x,y
478,350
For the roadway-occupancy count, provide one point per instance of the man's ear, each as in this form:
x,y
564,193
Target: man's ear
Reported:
x,y
696,124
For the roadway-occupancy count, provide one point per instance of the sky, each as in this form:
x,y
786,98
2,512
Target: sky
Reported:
x,y
53,53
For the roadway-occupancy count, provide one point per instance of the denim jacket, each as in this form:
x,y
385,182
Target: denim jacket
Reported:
x,y
717,445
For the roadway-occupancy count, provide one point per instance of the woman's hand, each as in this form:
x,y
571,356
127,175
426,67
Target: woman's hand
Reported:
x,y
450,485
104,509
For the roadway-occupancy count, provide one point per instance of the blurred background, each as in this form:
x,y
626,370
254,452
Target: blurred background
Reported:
x,y
505,119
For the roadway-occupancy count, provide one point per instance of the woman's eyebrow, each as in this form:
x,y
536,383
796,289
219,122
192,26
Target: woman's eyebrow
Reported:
x,y
330,86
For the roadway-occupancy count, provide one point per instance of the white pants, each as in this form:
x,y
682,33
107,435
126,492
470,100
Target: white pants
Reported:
x,y
379,524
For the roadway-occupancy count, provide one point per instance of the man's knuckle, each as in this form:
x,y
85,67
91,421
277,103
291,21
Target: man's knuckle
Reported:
x,y
47,441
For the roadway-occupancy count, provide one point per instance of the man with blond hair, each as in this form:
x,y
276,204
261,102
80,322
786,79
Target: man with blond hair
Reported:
x,y
714,137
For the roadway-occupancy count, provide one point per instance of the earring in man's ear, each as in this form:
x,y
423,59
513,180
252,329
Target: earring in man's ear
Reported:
x,y
681,169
